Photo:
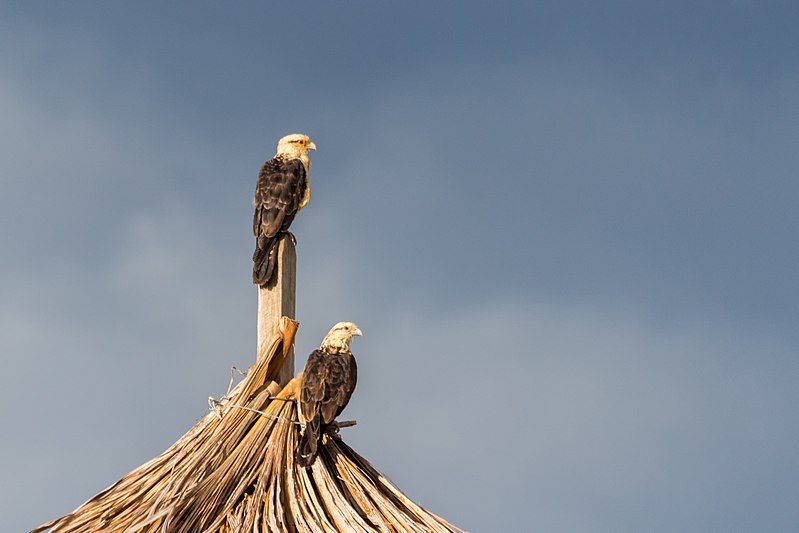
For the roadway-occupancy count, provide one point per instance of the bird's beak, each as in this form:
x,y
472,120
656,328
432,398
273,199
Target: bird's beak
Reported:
x,y
311,146
357,332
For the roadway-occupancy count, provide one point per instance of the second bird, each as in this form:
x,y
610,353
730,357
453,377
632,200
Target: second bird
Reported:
x,y
282,190
327,384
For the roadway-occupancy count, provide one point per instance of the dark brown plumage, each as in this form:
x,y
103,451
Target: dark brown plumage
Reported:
x,y
328,382
281,191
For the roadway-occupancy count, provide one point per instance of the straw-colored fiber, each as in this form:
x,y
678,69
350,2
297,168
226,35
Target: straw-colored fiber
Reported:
x,y
234,471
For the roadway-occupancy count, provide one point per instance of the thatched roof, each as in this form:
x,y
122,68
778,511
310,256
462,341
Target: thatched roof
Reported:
x,y
235,471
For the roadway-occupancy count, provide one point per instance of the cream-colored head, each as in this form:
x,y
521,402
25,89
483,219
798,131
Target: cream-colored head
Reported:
x,y
295,146
338,338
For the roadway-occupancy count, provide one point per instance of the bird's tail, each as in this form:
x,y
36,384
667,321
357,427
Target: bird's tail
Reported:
x,y
264,259
309,442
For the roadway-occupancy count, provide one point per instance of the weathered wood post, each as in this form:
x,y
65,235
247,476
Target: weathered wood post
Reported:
x,y
276,300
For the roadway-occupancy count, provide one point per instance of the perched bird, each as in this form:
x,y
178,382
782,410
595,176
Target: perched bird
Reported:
x,y
282,190
327,384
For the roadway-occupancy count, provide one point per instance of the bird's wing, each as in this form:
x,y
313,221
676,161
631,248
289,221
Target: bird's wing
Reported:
x,y
328,382
278,194
339,385
312,391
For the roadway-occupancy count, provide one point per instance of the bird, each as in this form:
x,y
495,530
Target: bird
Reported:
x,y
281,191
327,384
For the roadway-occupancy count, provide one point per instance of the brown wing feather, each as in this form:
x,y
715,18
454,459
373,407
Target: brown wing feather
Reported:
x,y
313,385
327,385
328,382
280,189
278,193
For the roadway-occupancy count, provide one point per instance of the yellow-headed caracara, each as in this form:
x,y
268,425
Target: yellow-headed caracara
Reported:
x,y
281,191
327,384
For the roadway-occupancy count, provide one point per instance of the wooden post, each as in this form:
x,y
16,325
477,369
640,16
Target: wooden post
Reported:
x,y
276,300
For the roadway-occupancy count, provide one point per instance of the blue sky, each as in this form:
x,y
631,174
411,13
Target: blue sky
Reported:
x,y
568,231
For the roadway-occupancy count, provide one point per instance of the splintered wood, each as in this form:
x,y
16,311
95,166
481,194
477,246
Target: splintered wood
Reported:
x,y
234,471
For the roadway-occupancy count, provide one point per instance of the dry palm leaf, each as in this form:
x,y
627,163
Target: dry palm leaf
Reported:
x,y
234,471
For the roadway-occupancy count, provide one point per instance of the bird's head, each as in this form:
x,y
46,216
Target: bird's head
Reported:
x,y
295,146
338,338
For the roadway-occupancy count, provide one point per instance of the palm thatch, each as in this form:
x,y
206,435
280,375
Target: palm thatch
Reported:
x,y
234,471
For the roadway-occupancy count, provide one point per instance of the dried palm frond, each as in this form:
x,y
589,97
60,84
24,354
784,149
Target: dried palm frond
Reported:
x,y
234,471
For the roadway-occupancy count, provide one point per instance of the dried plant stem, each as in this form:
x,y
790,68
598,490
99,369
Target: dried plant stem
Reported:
x,y
234,471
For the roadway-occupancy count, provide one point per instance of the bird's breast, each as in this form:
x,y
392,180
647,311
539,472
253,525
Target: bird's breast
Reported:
x,y
306,196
